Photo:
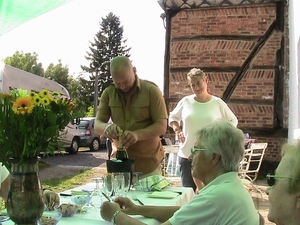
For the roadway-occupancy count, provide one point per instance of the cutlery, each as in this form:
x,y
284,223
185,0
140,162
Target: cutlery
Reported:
x,y
136,199
105,195
64,194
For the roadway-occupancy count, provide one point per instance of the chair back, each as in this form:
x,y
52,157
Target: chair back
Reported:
x,y
250,166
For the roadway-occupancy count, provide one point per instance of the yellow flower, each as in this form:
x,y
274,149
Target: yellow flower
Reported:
x,y
37,100
23,105
44,93
35,120
45,101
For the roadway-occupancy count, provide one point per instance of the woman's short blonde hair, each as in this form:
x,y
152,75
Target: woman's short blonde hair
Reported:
x,y
195,72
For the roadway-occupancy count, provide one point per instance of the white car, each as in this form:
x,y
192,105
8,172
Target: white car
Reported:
x,y
70,138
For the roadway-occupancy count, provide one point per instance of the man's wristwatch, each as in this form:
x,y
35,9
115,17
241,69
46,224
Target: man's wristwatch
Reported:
x,y
113,219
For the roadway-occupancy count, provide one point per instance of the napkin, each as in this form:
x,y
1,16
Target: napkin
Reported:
x,y
154,183
163,194
74,192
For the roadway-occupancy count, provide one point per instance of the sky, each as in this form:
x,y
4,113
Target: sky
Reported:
x,y
65,33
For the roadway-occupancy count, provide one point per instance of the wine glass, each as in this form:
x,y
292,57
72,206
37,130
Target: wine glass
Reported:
x,y
137,185
97,192
89,204
127,182
108,185
118,184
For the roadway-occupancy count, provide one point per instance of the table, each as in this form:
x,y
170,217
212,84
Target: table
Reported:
x,y
92,216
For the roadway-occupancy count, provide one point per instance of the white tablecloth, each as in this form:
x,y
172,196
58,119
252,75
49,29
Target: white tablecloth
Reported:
x,y
92,216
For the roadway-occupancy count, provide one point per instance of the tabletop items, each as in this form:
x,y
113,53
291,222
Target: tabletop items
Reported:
x,y
92,217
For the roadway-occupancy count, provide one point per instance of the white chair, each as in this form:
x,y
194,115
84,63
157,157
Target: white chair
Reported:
x,y
250,165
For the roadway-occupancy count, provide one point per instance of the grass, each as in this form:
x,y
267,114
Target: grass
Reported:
x,y
70,181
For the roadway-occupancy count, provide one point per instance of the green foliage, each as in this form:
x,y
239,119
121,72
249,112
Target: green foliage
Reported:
x,y
58,73
30,123
108,43
27,62
90,112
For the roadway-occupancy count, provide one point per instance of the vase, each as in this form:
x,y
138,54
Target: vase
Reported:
x,y
25,196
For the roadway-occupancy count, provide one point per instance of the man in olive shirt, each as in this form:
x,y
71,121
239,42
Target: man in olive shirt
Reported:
x,y
137,107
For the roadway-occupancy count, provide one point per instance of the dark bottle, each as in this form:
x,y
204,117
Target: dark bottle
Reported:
x,y
122,154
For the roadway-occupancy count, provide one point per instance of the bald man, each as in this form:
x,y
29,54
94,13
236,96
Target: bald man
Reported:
x,y
138,108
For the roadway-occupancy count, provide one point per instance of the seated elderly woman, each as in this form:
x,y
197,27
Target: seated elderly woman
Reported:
x,y
284,195
51,199
223,200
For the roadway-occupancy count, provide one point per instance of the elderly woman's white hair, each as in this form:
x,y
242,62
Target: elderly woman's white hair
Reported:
x,y
224,139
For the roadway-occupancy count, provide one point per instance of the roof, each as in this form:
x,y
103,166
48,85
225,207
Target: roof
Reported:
x,y
15,13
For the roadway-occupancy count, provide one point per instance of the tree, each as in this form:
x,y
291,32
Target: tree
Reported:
x,y
58,73
27,62
108,43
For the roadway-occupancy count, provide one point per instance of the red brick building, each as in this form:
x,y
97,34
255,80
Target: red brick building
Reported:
x,y
242,46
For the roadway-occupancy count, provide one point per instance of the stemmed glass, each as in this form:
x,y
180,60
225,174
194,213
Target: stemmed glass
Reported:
x,y
88,205
127,182
108,185
118,184
137,185
97,191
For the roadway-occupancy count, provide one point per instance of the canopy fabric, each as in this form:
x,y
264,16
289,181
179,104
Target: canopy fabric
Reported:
x,y
15,12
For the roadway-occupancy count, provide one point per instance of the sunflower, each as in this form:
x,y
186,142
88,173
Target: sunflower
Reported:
x,y
44,93
37,99
45,101
23,105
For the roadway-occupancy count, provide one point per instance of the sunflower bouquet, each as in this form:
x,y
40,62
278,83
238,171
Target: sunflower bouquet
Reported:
x,y
30,123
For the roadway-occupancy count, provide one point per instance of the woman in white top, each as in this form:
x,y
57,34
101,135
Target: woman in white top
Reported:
x,y
194,112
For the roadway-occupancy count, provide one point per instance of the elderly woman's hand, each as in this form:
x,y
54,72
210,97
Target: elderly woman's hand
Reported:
x,y
108,209
126,205
51,199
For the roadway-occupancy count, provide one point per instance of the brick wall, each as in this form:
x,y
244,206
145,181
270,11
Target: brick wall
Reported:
x,y
219,40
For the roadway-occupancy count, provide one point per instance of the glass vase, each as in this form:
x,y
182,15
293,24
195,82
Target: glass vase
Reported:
x,y
25,197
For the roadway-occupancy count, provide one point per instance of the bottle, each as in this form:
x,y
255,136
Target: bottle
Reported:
x,y
121,151
122,154
176,140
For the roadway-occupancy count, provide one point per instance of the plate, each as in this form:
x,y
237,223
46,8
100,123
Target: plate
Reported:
x,y
163,194
3,218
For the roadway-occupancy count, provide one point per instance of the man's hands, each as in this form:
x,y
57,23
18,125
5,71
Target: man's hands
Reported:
x,y
51,199
112,131
129,138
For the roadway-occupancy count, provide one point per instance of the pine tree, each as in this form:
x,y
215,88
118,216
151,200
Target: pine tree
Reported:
x,y
108,43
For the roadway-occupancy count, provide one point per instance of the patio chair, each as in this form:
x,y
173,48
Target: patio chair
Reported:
x,y
250,165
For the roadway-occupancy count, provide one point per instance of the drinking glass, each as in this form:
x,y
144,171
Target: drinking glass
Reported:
x,y
137,185
89,204
118,184
97,193
127,182
108,185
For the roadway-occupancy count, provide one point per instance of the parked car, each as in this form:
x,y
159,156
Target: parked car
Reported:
x,y
70,138
88,136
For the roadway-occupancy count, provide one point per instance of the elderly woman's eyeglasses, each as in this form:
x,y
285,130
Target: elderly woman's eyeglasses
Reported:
x,y
271,178
195,150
